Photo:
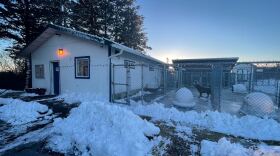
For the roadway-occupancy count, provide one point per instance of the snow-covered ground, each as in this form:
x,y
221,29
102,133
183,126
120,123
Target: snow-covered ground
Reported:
x,y
18,112
225,148
99,128
96,127
246,126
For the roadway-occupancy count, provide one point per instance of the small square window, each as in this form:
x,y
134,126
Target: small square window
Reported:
x,y
82,67
130,64
39,71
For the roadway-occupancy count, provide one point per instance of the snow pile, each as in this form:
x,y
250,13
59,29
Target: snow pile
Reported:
x,y
28,94
98,128
246,126
17,112
266,89
239,88
264,150
258,104
223,148
184,98
72,97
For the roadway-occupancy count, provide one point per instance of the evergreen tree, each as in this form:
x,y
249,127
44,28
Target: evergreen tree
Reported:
x,y
114,19
22,20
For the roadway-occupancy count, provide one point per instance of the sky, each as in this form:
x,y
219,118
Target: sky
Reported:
x,y
248,29
176,29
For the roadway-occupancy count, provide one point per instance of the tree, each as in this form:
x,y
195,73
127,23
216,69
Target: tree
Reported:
x,y
117,20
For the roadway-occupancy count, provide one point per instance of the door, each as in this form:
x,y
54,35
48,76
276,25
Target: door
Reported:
x,y
56,78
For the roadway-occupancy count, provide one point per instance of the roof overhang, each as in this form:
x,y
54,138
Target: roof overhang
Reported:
x,y
129,52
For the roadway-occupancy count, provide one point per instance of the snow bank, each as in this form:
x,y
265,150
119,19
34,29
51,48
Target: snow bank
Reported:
x,y
239,88
246,126
223,148
17,112
184,98
98,128
258,104
72,97
266,89
28,94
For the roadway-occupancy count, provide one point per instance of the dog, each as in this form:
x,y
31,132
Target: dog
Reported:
x,y
202,90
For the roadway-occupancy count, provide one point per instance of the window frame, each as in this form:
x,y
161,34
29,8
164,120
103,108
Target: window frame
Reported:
x,y
43,72
75,69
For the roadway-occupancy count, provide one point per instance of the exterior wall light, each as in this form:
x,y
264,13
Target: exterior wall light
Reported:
x,y
60,52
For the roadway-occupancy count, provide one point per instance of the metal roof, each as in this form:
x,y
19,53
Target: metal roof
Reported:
x,y
226,60
55,29
205,64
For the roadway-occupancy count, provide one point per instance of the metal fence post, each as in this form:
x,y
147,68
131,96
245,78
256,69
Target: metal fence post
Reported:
x,y
164,79
128,84
142,83
216,86
113,82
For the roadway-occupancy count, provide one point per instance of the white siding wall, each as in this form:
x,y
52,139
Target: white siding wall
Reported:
x,y
73,47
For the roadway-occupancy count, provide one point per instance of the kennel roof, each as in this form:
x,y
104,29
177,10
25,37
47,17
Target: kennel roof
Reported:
x,y
205,64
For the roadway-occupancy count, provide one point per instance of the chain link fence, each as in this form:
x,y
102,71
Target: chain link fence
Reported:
x,y
143,82
146,83
259,77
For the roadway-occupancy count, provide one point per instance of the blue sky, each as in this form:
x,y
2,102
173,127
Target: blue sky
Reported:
x,y
249,29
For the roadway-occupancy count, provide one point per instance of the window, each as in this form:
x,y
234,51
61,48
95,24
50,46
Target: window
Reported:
x,y
151,68
130,64
82,67
39,71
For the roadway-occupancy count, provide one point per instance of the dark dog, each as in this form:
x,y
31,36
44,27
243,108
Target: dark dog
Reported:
x,y
202,90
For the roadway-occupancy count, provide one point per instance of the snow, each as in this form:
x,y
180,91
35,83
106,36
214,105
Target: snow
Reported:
x,y
17,112
225,148
239,88
99,128
75,97
184,98
246,126
28,94
5,91
259,104
266,89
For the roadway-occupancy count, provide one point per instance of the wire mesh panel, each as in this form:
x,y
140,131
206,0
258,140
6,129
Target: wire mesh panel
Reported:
x,y
137,82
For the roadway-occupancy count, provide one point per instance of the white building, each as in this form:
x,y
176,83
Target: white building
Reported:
x,y
64,60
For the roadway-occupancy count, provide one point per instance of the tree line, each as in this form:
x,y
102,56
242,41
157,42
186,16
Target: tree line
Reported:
x,y
22,20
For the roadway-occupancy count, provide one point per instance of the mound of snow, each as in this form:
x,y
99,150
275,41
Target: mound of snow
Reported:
x,y
258,104
239,88
73,97
184,98
28,94
223,148
246,126
17,112
98,128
